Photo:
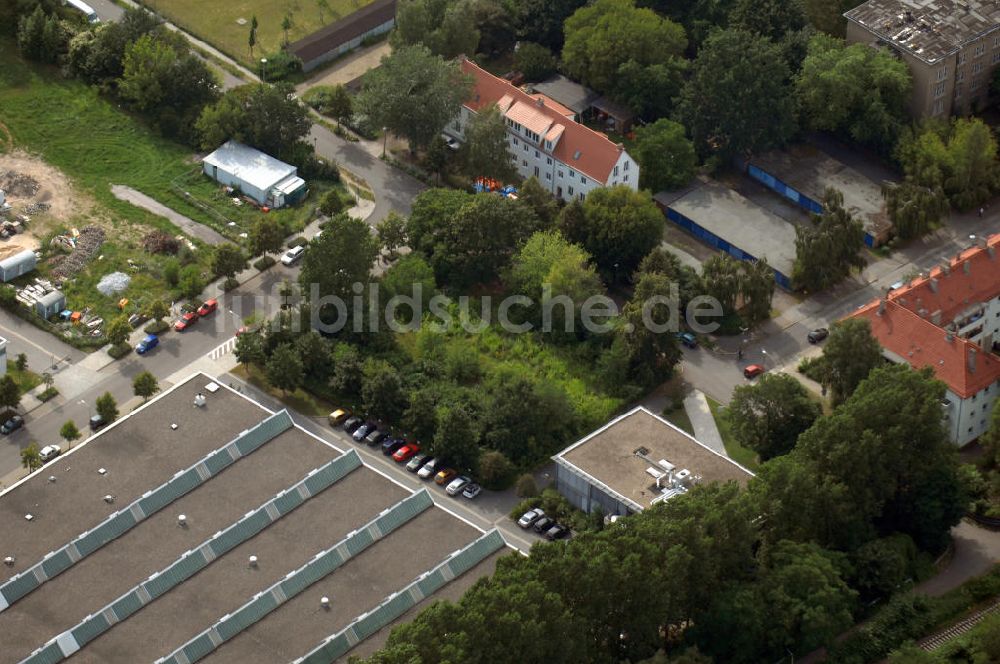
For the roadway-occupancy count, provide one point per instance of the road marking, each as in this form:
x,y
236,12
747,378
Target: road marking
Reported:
x,y
224,348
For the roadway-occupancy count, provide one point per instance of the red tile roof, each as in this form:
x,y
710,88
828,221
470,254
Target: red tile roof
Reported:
x,y
597,153
906,326
973,277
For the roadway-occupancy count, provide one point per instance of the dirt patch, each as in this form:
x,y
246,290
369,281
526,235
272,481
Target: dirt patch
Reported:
x,y
35,185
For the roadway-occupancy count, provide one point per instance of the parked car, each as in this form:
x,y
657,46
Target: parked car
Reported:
x,y
429,468
375,437
753,371
391,444
338,417
362,431
293,255
457,484
351,424
557,531
543,524
97,422
137,319
49,452
528,518
416,461
12,425
208,306
186,321
895,286
472,490
405,452
687,339
818,335
445,476
149,343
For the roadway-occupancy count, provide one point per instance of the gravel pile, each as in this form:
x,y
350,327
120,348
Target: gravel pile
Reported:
x,y
111,284
18,184
87,245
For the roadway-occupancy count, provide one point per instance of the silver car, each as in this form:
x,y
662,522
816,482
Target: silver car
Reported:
x,y
530,517
428,469
457,485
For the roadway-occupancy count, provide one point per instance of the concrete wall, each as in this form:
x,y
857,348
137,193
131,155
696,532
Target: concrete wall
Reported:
x,y
224,177
585,496
338,51
967,419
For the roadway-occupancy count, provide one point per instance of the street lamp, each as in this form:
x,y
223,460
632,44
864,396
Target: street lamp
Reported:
x,y
263,71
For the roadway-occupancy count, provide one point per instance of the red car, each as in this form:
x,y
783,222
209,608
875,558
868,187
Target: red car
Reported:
x,y
208,307
405,453
186,321
753,371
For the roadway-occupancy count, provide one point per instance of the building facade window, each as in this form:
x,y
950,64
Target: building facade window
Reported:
x,y
524,162
977,67
532,135
548,161
516,142
572,174
938,108
583,180
996,42
616,171
626,177
570,191
537,155
938,90
961,58
979,50
626,165
942,73
536,171
548,176
996,57
581,195
975,84
525,147
960,75
561,174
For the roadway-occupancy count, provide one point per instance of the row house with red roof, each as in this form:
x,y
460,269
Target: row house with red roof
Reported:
x,y
949,320
545,141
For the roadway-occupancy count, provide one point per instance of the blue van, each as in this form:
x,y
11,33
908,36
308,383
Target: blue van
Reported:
x,y
149,343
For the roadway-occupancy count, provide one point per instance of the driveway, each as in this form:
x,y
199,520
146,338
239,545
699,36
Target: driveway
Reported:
x,y
348,68
189,226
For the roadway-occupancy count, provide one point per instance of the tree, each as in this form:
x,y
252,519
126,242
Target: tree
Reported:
x,y
826,254
468,239
284,368
145,385
69,433
731,65
31,459
10,392
413,94
650,91
30,33
403,279
457,439
107,407
445,27
286,25
652,352
332,203
723,279
348,368
853,90
768,416
849,356
494,469
539,199
828,16
526,487
21,362
382,390
392,233
148,62
607,34
252,37
757,288
267,117
97,56
339,104
266,236
347,243
768,18
250,349
485,151
191,283
618,228
542,21
315,352
227,260
665,155
534,61
914,210
157,309
118,331
437,157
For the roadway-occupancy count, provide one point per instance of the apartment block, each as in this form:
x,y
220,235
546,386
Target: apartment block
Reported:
x,y
950,46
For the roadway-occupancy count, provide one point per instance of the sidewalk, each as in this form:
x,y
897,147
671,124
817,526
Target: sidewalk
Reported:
x,y
703,422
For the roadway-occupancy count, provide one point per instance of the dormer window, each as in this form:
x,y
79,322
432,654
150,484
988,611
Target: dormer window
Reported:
x,y
548,145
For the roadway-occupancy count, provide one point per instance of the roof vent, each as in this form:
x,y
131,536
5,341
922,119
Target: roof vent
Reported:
x,y
182,520
683,475
9,561
52,478
28,517
102,471
324,601
199,400
666,465
252,561
576,155
173,426
109,499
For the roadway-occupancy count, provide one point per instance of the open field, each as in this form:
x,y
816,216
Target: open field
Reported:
x,y
219,23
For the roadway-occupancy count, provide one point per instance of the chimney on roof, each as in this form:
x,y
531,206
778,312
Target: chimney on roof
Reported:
x,y
540,102
936,317
992,251
946,267
967,267
970,355
881,306
934,284
949,336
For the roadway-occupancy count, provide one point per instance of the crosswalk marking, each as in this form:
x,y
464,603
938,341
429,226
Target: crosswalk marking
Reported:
x,y
223,349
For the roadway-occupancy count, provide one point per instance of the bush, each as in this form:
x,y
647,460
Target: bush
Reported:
x,y
526,487
534,61
47,394
812,367
120,350
332,203
172,272
159,242
281,65
297,241
494,469
191,283
263,263
555,507
156,327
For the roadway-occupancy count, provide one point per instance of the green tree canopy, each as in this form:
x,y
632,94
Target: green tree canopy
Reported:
x,y
413,94
855,90
10,392
382,391
284,368
618,227
266,236
145,385
737,65
457,439
69,432
769,416
542,21
665,155
826,253
250,349
849,355
118,330
446,27
769,18
402,279
346,243
535,61
31,459
485,151
227,260
107,407
316,354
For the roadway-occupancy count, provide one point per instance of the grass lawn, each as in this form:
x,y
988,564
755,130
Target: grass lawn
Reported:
x,y
27,380
741,455
217,22
679,418
300,400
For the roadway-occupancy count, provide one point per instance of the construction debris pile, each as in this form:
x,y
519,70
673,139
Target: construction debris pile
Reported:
x,y
18,185
113,283
83,244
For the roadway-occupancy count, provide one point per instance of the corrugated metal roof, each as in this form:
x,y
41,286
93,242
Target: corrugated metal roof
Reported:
x,y
250,165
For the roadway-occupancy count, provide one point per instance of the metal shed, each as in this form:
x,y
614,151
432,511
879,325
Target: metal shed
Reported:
x,y
50,304
260,176
20,263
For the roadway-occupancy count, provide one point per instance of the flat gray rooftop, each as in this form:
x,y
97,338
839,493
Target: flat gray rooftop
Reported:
x,y
742,223
609,456
927,29
140,452
811,171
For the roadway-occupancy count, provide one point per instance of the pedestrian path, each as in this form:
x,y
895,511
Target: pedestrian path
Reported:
x,y
702,421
